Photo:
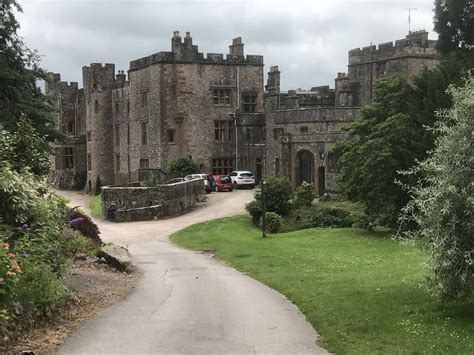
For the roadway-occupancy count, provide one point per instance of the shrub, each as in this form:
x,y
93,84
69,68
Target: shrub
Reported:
x,y
324,217
304,195
182,166
82,223
273,222
39,286
278,193
254,208
75,242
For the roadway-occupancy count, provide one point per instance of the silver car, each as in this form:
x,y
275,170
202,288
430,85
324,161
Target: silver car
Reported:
x,y
242,178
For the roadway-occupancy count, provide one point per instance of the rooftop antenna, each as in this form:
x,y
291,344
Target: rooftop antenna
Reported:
x,y
410,9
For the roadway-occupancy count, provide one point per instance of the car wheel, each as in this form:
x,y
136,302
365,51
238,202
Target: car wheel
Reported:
x,y
235,185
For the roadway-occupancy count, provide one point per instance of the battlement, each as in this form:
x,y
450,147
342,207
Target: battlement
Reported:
x,y
186,52
414,44
54,84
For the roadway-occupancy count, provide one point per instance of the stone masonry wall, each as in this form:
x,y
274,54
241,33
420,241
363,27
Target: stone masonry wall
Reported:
x,y
147,203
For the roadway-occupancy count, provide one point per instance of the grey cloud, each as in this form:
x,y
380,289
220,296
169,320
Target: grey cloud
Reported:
x,y
309,40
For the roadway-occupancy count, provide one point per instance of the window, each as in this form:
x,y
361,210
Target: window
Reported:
x,y
277,166
144,164
117,135
117,107
221,96
70,127
68,158
248,134
96,106
304,129
219,130
222,166
117,162
144,98
144,133
89,162
128,134
249,103
332,162
277,132
89,136
128,108
170,136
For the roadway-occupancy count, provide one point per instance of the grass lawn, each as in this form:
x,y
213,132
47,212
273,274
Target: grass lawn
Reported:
x,y
95,203
361,291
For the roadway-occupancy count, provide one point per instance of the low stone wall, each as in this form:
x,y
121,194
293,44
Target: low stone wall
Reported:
x,y
66,179
126,204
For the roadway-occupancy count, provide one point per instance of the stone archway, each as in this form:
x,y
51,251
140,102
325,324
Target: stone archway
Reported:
x,y
306,167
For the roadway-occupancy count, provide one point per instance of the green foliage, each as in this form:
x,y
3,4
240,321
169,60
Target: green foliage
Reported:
x,y
324,217
35,237
181,167
273,222
443,201
151,181
38,287
254,208
19,72
304,195
454,23
24,149
95,203
360,290
388,135
75,242
278,192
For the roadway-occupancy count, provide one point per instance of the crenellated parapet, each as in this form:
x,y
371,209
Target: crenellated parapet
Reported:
x,y
186,52
414,44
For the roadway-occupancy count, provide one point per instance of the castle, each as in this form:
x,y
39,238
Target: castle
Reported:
x,y
215,110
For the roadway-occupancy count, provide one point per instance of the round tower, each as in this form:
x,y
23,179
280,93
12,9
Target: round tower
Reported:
x,y
98,81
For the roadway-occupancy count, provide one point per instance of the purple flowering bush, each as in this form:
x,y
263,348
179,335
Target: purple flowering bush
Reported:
x,y
38,233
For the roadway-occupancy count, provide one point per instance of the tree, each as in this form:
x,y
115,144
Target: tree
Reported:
x,y
454,22
182,166
19,72
24,149
388,136
443,200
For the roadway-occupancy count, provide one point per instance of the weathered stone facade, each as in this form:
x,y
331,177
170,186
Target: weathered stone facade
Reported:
x,y
302,127
213,108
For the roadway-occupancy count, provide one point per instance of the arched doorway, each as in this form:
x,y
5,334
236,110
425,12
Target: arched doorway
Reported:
x,y
306,167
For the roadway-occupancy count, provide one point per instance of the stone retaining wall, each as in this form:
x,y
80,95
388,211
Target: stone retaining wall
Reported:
x,y
126,204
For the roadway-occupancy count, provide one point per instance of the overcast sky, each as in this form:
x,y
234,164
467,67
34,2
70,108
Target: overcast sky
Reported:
x,y
309,40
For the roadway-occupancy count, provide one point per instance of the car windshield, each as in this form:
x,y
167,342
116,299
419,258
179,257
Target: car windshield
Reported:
x,y
225,179
246,175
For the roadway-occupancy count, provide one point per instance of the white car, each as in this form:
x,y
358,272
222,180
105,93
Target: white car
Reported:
x,y
242,179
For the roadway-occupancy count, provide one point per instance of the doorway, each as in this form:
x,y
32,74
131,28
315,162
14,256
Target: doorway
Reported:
x,y
321,181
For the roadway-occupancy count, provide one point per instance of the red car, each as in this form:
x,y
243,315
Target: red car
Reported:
x,y
223,182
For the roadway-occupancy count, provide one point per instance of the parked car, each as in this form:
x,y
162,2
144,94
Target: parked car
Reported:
x,y
209,183
242,179
175,180
223,182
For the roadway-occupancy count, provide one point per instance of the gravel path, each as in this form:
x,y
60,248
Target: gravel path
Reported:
x,y
187,302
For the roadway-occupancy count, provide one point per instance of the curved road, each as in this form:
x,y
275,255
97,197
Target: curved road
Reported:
x,y
187,302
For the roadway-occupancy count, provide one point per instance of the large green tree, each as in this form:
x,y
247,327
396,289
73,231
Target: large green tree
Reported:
x,y
387,136
443,200
454,22
19,72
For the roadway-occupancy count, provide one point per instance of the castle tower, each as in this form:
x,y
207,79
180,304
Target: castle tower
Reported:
x,y
98,82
